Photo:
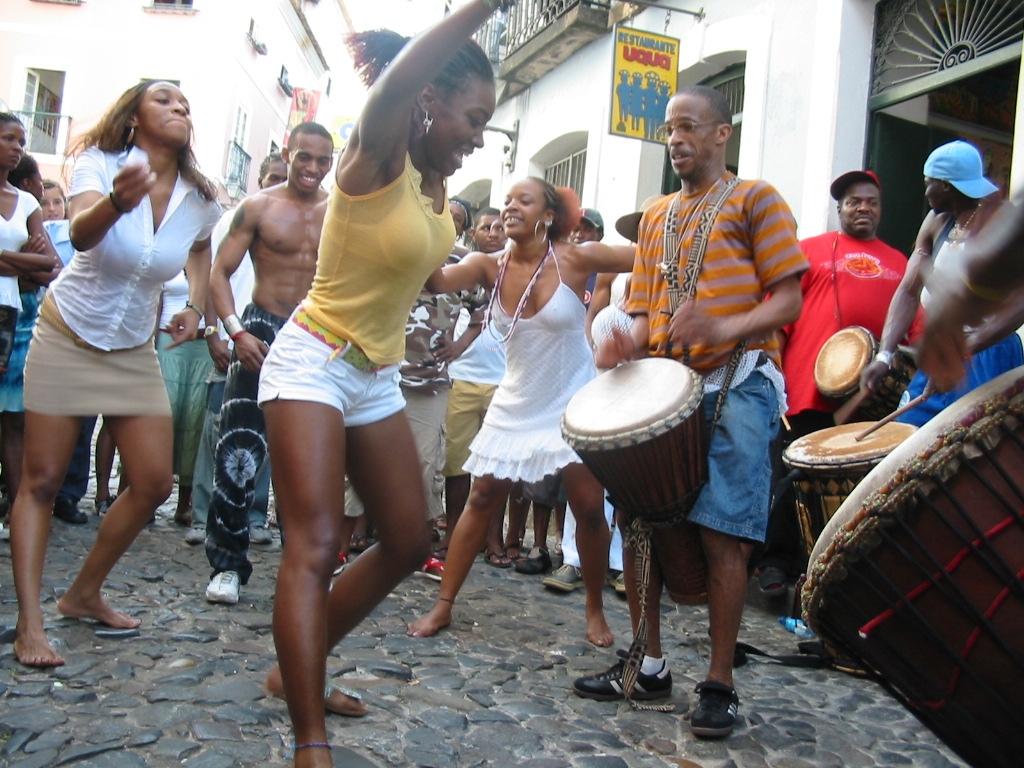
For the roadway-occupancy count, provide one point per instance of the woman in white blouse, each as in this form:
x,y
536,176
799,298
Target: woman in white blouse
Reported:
x,y
140,211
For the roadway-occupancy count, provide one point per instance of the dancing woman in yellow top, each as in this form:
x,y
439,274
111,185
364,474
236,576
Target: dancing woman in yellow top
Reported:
x,y
330,385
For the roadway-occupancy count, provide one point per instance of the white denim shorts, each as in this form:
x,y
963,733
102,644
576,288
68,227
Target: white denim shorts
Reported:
x,y
302,367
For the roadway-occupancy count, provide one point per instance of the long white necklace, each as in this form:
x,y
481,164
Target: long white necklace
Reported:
x,y
495,295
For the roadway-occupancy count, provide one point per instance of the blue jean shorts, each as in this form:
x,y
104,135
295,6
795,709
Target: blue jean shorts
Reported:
x,y
735,499
300,366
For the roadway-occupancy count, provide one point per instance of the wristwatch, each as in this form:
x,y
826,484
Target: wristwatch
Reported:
x,y
211,330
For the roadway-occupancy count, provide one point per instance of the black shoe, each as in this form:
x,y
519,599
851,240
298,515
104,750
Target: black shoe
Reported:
x,y
607,686
538,561
715,715
67,510
772,581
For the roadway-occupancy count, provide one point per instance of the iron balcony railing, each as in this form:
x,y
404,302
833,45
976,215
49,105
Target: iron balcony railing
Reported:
x,y
46,133
528,17
237,177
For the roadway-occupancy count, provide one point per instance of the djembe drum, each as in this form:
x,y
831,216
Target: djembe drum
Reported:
x,y
843,358
640,429
831,463
918,574
886,397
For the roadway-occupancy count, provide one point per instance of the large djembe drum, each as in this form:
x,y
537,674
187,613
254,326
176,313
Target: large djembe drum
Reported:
x,y
918,574
640,429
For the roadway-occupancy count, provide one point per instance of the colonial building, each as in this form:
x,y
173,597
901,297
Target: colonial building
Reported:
x,y
817,88
248,67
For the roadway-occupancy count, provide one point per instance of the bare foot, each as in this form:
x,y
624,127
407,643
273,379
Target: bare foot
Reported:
x,y
598,632
34,650
96,609
440,616
338,700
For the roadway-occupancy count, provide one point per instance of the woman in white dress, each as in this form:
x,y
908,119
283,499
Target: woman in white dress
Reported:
x,y
537,311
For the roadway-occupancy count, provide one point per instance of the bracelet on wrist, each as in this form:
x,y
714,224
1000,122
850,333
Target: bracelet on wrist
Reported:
x,y
233,325
884,357
237,336
117,206
194,308
985,293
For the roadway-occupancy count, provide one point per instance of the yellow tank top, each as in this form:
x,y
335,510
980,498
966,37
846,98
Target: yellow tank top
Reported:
x,y
375,253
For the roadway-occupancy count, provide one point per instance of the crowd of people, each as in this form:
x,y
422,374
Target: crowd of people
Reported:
x,y
430,349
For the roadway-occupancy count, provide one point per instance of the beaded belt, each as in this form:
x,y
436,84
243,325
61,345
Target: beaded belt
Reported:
x,y
48,310
343,348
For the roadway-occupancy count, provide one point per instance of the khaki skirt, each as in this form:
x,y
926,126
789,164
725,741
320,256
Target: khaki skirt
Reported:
x,y
63,378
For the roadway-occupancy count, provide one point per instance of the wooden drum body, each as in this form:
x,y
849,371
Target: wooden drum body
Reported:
x,y
886,398
832,463
919,574
640,429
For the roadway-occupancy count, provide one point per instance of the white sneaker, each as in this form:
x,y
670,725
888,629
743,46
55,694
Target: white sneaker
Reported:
x,y
259,533
196,534
223,588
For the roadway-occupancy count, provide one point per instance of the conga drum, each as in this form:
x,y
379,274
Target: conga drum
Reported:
x,y
918,574
640,429
841,359
886,397
831,463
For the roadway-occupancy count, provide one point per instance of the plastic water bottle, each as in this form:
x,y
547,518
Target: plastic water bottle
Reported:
x,y
796,626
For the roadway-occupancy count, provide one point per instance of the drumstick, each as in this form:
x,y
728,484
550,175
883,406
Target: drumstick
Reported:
x,y
846,410
898,412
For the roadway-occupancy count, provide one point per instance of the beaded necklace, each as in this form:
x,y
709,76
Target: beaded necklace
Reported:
x,y
495,295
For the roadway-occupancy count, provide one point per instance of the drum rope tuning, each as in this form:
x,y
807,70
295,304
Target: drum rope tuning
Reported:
x,y
920,574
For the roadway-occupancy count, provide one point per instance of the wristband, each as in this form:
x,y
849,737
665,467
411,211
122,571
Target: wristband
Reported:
x,y
194,308
113,202
237,336
884,357
233,325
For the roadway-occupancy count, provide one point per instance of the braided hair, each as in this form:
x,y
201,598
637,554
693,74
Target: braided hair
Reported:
x,y
373,51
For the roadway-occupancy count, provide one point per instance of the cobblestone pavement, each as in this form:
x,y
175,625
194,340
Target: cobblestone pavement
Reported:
x,y
185,689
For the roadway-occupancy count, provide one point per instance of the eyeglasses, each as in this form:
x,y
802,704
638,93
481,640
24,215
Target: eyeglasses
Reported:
x,y
685,127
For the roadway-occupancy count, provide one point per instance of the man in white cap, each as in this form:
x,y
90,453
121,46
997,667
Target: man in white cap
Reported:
x,y
962,201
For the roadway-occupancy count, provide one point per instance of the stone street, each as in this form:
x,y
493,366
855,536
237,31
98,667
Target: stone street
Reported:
x,y
185,689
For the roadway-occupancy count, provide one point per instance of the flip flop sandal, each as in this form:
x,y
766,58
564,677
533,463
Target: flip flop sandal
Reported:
x,y
497,560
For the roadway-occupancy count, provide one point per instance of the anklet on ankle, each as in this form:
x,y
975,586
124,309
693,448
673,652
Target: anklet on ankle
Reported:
x,y
446,600
320,744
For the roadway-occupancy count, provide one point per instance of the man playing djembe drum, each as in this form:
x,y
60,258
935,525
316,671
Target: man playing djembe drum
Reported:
x,y
751,251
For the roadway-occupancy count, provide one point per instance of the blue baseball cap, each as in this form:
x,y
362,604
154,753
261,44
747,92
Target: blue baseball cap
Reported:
x,y
960,164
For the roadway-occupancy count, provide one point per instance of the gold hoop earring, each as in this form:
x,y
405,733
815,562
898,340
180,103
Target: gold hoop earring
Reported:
x,y
131,137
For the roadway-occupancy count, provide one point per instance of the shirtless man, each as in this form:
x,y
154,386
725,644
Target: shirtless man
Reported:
x,y
280,228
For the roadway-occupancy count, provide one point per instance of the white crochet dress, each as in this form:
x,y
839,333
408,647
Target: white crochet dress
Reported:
x,y
548,361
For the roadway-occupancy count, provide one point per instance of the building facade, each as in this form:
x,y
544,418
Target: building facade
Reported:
x,y
817,88
248,67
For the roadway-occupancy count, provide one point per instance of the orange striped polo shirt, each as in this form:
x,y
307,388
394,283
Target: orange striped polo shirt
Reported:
x,y
752,246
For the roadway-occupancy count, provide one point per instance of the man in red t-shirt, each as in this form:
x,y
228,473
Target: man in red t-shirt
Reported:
x,y
852,279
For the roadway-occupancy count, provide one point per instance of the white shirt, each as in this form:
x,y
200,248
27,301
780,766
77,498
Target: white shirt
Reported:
x,y
109,294
13,235
173,300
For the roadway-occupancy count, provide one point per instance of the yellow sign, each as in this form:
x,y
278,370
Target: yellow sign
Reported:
x,y
341,129
646,71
